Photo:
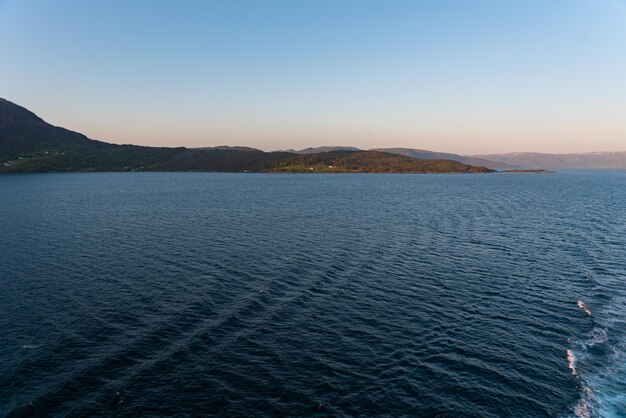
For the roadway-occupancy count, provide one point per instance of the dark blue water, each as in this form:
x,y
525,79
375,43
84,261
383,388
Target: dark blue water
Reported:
x,y
237,294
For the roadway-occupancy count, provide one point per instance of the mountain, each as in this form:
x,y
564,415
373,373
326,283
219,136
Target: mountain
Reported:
x,y
228,147
22,131
316,150
29,144
431,155
539,160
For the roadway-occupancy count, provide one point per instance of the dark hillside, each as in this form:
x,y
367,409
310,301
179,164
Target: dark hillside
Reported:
x,y
29,144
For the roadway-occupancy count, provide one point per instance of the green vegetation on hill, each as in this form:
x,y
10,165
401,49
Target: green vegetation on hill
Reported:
x,y
326,162
29,144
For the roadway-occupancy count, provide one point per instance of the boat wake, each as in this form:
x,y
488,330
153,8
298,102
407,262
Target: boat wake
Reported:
x,y
598,362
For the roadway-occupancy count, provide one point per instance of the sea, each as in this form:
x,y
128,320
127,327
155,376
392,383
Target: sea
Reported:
x,y
212,294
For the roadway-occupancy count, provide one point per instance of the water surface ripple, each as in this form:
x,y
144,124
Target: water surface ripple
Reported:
x,y
144,294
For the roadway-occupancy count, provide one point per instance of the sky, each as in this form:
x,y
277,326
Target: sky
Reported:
x,y
464,76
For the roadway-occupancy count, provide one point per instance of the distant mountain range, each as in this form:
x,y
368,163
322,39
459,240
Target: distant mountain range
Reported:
x,y
428,155
228,147
29,144
531,160
316,150
539,160
413,153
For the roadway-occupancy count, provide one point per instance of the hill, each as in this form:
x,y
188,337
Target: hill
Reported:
x,y
325,162
430,155
29,144
316,150
228,147
21,131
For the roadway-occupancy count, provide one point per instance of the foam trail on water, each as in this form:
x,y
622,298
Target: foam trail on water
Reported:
x,y
601,375
31,346
584,408
597,336
571,360
584,307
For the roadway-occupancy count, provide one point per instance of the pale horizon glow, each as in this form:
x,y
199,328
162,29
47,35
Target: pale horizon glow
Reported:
x,y
475,77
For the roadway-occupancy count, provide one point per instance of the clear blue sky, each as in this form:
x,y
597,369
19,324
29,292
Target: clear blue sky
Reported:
x,y
461,76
